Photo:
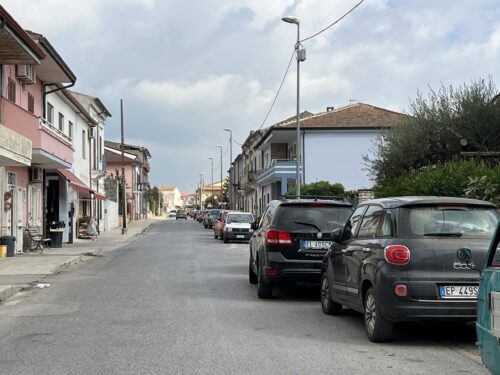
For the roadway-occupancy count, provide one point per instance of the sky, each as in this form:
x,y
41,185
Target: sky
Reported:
x,y
187,69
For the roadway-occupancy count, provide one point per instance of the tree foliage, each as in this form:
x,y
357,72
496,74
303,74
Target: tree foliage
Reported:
x,y
319,188
436,126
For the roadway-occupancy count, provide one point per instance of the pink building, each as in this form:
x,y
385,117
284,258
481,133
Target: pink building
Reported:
x,y
29,65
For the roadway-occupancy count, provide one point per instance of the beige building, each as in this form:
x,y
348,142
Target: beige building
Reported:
x,y
172,198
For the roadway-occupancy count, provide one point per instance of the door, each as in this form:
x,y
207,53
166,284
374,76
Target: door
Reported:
x,y
365,244
337,267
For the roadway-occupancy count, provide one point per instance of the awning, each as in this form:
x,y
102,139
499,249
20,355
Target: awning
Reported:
x,y
99,196
74,181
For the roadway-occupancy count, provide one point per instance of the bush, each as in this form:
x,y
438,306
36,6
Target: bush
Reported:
x,y
457,178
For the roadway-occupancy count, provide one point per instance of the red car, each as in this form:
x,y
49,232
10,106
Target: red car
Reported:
x,y
219,224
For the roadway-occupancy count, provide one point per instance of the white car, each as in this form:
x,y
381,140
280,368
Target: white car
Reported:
x,y
237,226
172,213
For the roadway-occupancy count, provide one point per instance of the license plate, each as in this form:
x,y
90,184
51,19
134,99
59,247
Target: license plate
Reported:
x,y
316,245
240,236
458,291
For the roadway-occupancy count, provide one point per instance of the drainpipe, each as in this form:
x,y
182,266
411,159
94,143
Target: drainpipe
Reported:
x,y
45,93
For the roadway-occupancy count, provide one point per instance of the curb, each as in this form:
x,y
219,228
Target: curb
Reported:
x,y
9,292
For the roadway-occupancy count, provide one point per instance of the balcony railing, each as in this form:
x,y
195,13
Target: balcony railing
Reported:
x,y
51,128
276,170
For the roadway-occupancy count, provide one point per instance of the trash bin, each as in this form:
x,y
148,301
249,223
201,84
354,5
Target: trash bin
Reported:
x,y
56,236
9,241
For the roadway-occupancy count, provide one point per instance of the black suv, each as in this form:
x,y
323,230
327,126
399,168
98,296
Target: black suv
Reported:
x,y
396,260
291,239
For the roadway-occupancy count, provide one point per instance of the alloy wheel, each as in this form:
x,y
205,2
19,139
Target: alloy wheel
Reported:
x,y
370,313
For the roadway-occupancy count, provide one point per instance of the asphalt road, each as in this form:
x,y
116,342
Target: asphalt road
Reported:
x,y
176,301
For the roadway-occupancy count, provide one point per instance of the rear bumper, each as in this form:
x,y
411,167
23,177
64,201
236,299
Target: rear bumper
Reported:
x,y
289,271
415,310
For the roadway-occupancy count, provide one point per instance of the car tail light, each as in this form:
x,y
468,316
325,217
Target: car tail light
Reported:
x,y
271,271
401,290
397,254
278,237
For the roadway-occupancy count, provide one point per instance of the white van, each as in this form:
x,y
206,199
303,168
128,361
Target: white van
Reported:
x,y
238,226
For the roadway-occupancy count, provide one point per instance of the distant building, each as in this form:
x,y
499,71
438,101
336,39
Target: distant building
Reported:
x,y
172,198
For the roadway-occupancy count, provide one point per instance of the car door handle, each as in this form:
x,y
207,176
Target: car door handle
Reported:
x,y
365,249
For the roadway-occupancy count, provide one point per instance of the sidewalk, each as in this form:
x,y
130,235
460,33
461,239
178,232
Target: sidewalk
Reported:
x,y
23,270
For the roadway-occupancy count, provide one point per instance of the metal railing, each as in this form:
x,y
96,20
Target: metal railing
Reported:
x,y
56,131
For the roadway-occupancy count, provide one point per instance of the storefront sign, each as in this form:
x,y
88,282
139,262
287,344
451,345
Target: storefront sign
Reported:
x,y
14,148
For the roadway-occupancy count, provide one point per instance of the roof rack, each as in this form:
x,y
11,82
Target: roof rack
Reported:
x,y
284,198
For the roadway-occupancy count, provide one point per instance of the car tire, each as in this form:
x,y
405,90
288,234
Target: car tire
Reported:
x,y
215,235
224,238
264,290
378,329
328,305
252,277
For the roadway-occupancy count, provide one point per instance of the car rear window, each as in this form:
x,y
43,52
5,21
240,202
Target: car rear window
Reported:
x,y
448,221
305,218
239,218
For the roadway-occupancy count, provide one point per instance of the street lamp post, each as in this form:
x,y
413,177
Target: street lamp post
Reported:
x,y
201,190
231,171
221,169
212,187
301,56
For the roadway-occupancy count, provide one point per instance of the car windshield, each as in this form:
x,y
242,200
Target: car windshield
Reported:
x,y
296,218
214,213
240,218
449,221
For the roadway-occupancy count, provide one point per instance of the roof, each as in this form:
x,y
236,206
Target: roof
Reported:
x,y
16,46
77,104
395,202
53,68
167,188
129,148
88,99
353,116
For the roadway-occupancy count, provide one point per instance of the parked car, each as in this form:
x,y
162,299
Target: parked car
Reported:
x,y
172,213
211,215
200,216
396,260
488,302
237,226
291,239
181,215
219,224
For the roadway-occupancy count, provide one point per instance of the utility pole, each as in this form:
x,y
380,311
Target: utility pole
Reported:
x,y
212,187
219,146
124,187
231,169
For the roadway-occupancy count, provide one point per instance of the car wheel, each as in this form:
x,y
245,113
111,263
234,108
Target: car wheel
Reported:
x,y
224,238
264,290
215,235
377,327
252,277
328,305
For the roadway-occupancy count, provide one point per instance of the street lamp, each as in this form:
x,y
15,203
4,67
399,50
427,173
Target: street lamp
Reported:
x,y
219,146
201,190
301,56
212,188
231,171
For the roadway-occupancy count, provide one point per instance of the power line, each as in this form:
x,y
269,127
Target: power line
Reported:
x,y
334,23
279,89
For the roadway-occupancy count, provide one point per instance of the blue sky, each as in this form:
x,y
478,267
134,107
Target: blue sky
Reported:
x,y
187,69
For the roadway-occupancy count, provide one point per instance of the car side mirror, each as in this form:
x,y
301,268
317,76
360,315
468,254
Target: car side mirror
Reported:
x,y
254,225
337,235
464,255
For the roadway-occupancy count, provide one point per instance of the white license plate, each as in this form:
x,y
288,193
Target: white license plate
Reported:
x,y
316,245
458,291
240,236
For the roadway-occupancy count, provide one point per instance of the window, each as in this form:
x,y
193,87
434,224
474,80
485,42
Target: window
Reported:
x,y
352,224
11,90
31,103
84,143
371,222
70,129
300,217
50,113
61,122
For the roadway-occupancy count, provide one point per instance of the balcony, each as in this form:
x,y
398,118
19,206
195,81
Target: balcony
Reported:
x,y
277,170
247,181
51,148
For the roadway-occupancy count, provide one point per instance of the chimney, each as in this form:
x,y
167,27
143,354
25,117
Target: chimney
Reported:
x,y
329,109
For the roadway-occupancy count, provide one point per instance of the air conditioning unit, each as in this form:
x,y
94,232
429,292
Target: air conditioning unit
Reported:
x,y
26,74
36,174
92,132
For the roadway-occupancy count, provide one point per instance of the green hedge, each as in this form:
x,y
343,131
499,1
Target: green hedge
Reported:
x,y
458,178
